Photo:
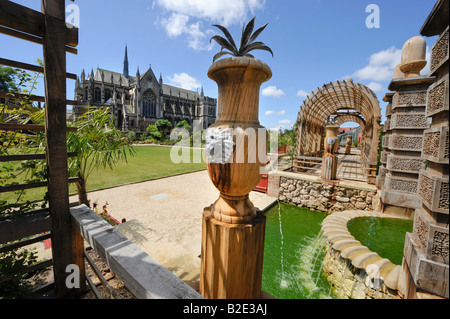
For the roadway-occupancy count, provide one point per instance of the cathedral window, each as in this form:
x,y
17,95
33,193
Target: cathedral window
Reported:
x,y
107,95
97,95
149,104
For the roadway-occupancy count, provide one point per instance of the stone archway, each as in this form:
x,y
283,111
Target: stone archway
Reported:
x,y
326,105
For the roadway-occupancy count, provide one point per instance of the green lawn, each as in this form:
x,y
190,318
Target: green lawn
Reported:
x,y
149,162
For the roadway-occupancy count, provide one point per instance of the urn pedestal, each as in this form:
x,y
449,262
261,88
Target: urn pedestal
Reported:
x,y
233,231
330,161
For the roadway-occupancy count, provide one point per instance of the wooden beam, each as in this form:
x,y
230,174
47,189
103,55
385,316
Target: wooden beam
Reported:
x,y
28,157
30,67
23,19
34,98
31,38
29,127
65,242
19,187
23,243
29,225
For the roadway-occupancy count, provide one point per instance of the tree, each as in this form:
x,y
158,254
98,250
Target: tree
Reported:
x,y
164,127
153,132
97,144
184,124
8,79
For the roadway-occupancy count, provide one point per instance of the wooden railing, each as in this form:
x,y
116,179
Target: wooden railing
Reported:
x,y
368,168
305,164
313,165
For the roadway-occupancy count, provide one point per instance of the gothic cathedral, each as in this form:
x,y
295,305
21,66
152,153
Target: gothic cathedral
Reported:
x,y
139,101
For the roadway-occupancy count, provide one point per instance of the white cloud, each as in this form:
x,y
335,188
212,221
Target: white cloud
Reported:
x,y
282,125
225,12
178,24
186,17
285,122
175,25
184,81
280,113
375,86
272,91
382,64
302,93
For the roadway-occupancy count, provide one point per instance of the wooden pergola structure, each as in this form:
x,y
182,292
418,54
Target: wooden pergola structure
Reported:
x,y
337,103
49,29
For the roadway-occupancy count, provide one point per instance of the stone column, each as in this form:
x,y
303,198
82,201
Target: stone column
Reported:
x,y
329,164
404,135
426,254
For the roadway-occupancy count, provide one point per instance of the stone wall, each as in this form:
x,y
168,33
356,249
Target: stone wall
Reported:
x,y
317,195
351,282
354,271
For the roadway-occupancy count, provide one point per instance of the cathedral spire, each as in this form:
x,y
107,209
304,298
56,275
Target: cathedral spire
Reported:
x,y
125,64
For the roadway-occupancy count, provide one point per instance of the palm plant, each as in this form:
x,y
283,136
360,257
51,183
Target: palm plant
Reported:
x,y
246,45
97,144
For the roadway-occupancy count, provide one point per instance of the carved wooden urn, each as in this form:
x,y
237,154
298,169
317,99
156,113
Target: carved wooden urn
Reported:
x,y
236,144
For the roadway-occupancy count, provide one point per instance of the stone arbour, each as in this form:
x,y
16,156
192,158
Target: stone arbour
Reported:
x,y
427,247
331,100
317,195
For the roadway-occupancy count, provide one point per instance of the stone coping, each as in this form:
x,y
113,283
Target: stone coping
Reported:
x,y
341,183
334,228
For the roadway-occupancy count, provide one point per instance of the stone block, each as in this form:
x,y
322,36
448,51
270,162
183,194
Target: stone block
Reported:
x,y
406,200
400,184
439,52
436,144
438,245
383,156
407,164
437,97
408,99
273,185
434,191
405,142
410,120
427,275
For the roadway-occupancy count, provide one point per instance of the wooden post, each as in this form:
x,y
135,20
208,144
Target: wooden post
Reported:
x,y
66,244
329,164
232,258
233,230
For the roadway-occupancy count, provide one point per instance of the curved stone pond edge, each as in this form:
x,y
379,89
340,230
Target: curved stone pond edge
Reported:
x,y
354,270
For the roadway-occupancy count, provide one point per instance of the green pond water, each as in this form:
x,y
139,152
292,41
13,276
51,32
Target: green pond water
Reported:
x,y
293,254
294,251
385,236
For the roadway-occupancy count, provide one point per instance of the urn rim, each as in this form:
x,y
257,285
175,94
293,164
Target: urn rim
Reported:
x,y
240,61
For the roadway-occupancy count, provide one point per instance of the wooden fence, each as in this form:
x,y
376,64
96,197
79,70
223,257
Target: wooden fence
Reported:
x,y
313,165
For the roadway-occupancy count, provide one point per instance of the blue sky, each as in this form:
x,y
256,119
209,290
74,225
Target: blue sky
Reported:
x,y
314,42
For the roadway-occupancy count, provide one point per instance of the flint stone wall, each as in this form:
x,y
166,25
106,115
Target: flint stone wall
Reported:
x,y
318,195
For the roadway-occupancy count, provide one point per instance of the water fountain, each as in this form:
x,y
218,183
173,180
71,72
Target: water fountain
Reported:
x,y
305,260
